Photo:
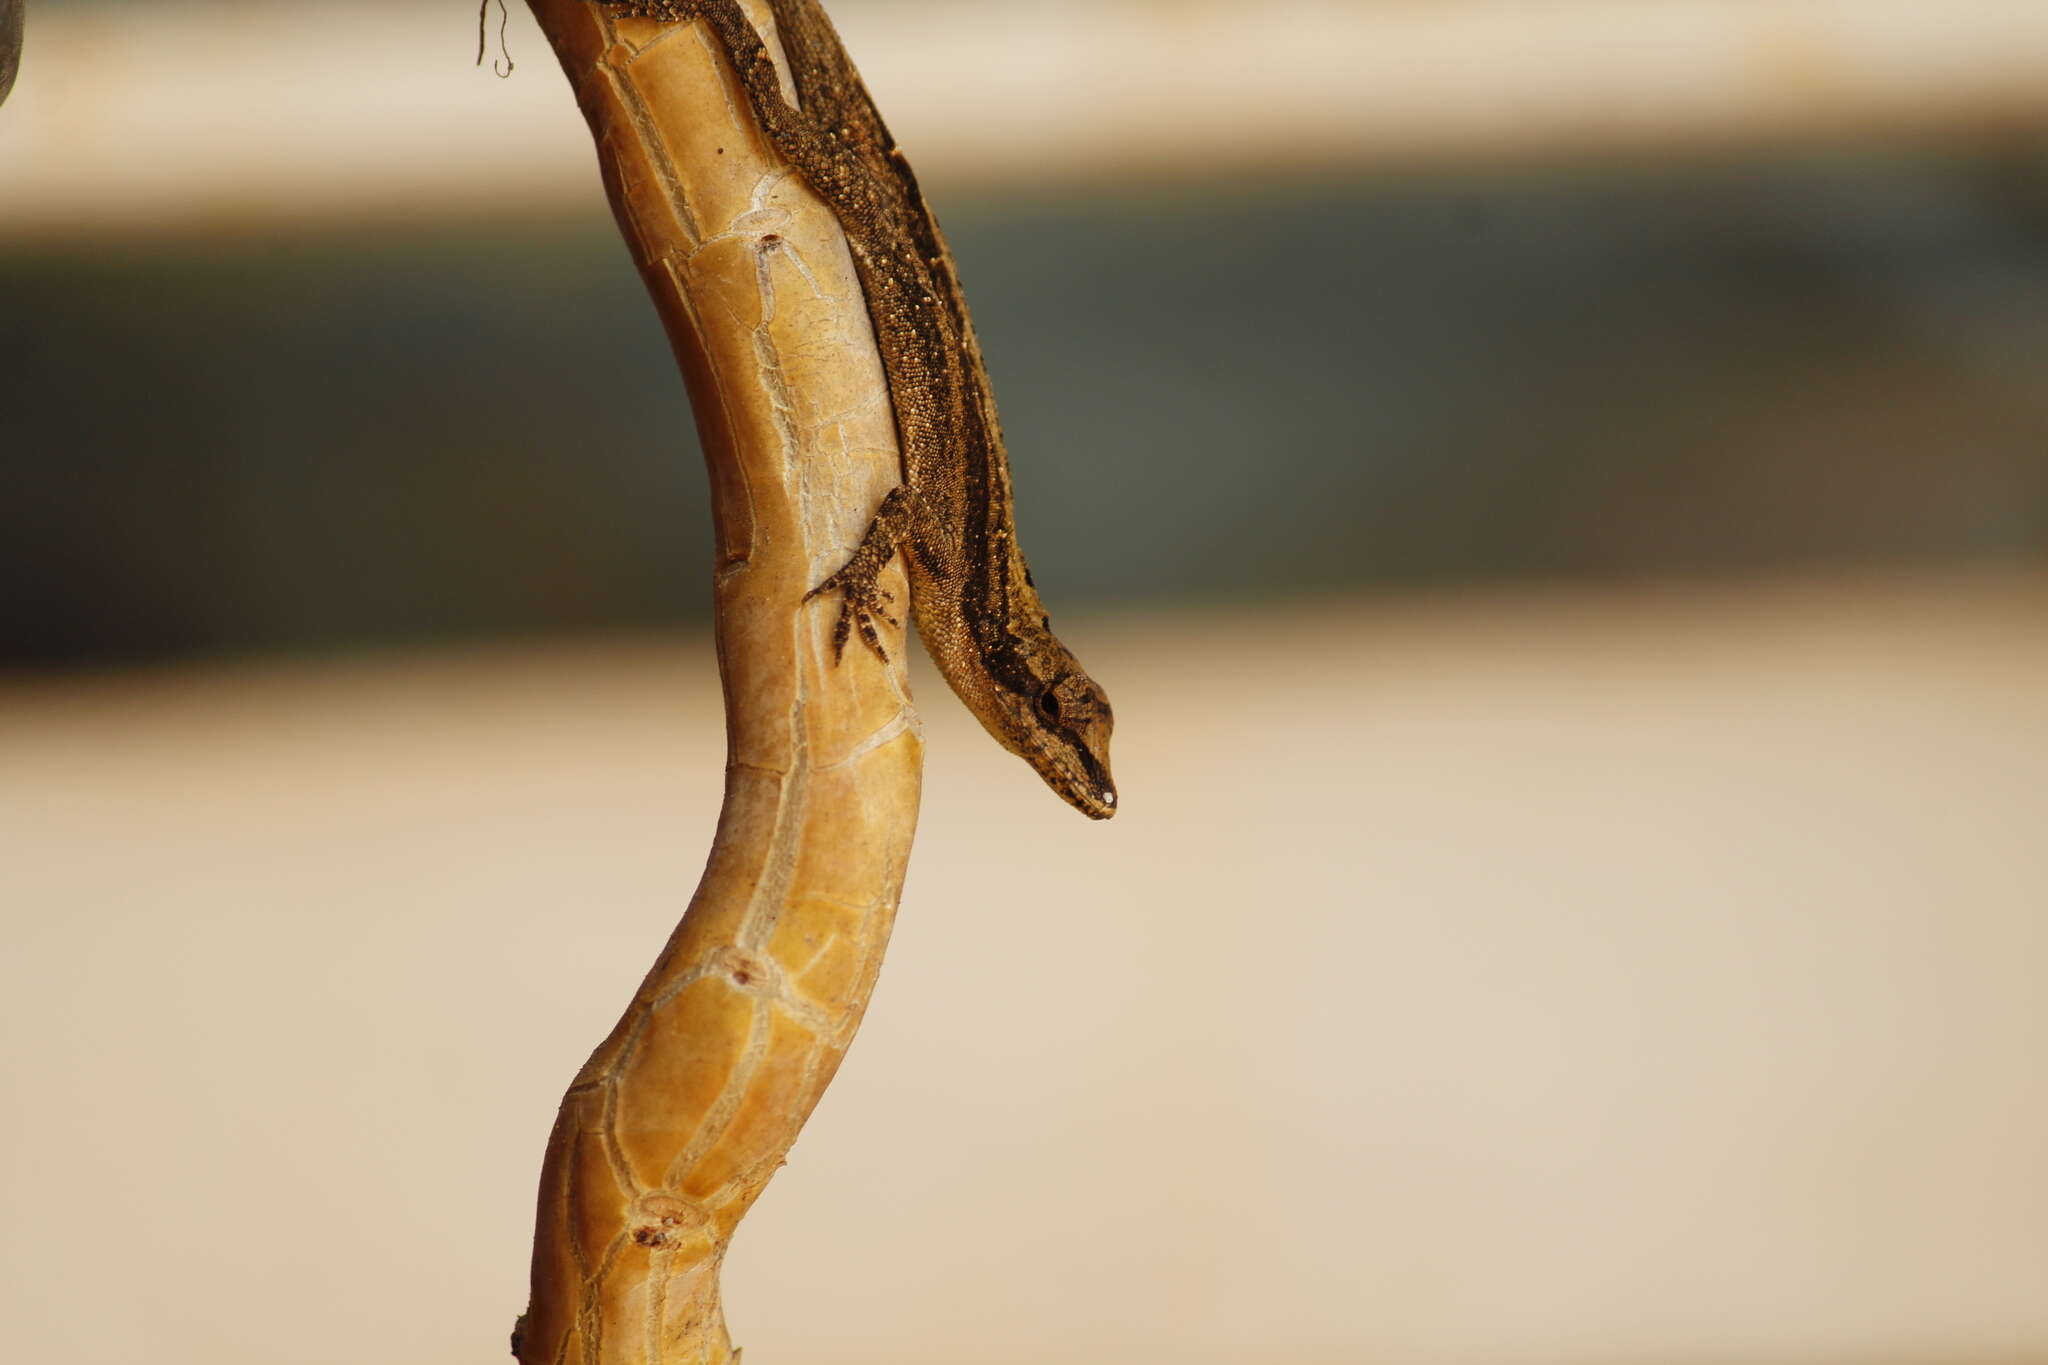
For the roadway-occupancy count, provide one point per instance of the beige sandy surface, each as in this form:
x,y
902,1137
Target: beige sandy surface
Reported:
x,y
1645,976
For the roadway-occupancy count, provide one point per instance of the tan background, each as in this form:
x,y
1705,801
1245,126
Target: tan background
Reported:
x,y
1604,977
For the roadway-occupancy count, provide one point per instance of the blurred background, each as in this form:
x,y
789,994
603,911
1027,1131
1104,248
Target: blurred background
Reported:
x,y
1557,489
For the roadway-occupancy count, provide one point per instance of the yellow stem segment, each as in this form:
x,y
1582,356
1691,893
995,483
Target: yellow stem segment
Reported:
x,y
683,1114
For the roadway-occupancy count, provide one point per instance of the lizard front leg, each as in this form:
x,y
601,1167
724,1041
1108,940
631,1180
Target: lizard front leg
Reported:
x,y
862,598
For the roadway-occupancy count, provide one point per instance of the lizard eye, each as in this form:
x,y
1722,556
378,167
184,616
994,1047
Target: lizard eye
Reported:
x,y
1049,705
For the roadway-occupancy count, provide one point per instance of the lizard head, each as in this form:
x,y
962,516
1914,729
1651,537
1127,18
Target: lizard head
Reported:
x,y
1061,728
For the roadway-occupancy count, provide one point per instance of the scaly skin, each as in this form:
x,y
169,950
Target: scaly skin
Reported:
x,y
972,597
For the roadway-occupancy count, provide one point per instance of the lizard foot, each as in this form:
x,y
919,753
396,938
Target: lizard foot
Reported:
x,y
862,599
861,604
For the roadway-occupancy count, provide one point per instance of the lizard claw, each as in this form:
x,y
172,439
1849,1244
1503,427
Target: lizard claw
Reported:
x,y
863,600
860,606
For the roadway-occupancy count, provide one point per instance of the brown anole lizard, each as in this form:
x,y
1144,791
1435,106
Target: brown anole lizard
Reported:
x,y
971,595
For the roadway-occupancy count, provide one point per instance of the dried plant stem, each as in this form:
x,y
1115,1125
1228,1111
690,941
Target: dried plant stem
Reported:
x,y
681,1116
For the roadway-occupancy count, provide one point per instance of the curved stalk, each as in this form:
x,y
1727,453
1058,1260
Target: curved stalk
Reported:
x,y
680,1117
